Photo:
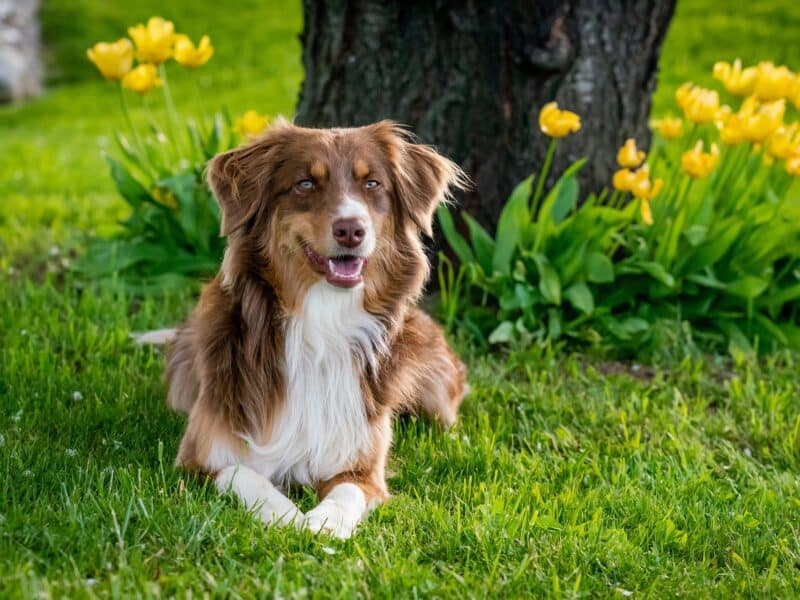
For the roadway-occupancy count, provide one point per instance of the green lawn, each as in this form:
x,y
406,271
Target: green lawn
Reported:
x,y
565,476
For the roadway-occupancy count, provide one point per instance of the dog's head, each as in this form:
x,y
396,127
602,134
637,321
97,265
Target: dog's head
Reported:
x,y
344,205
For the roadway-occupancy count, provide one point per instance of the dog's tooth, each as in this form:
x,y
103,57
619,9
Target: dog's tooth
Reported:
x,y
331,265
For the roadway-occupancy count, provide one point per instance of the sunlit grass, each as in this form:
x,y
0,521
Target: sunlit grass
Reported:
x,y
561,477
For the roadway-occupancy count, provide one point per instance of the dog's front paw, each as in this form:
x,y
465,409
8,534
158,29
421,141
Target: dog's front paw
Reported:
x,y
259,495
330,519
339,512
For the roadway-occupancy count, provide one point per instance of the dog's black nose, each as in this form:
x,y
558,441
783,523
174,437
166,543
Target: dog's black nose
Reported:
x,y
349,232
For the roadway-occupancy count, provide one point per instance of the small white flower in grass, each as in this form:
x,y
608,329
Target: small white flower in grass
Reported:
x,y
55,250
625,593
91,581
17,416
27,473
748,452
71,452
23,332
328,550
77,396
2,440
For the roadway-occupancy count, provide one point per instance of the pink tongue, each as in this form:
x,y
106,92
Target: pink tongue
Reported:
x,y
346,266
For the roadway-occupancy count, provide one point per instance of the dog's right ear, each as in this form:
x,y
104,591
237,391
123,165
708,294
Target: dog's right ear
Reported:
x,y
240,178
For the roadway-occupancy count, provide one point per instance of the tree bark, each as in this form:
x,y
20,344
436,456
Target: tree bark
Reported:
x,y
470,77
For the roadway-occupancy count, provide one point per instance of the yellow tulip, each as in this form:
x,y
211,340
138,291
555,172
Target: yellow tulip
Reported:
x,y
629,155
153,41
699,104
642,187
190,56
758,124
696,163
731,130
793,165
558,123
623,180
773,83
738,81
669,128
782,143
142,79
795,95
113,60
251,123
723,114
644,210
682,94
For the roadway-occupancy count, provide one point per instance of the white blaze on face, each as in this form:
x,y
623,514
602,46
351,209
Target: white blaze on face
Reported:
x,y
351,208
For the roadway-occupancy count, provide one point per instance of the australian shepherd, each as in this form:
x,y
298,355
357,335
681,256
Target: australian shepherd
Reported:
x,y
308,341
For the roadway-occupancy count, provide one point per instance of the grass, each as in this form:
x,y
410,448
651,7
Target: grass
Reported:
x,y
565,476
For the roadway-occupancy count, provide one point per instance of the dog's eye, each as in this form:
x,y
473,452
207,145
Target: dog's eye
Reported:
x,y
371,184
306,184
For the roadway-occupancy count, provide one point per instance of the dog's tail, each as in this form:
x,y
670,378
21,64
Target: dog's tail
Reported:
x,y
157,337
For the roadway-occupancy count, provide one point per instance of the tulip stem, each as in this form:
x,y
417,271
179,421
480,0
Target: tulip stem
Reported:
x,y
548,160
123,102
172,113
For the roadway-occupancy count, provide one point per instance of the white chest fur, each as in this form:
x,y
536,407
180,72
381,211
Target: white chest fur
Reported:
x,y
322,425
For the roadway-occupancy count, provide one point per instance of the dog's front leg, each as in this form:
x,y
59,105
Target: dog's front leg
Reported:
x,y
258,494
339,512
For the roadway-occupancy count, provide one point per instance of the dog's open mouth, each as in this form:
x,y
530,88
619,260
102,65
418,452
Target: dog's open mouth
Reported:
x,y
344,270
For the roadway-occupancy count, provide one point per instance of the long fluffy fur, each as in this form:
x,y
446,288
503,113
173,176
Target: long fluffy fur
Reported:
x,y
286,375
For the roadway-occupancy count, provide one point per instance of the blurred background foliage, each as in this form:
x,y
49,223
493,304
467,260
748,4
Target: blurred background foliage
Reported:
x,y
51,146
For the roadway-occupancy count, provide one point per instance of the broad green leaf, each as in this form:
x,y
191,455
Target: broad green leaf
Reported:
x,y
781,296
627,328
737,341
554,325
183,187
599,268
695,234
706,280
549,283
656,271
580,297
748,287
563,196
454,239
719,241
514,217
129,188
668,250
565,200
482,243
772,328
502,334
569,261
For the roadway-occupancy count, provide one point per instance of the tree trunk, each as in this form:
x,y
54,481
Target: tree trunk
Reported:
x,y
20,50
470,78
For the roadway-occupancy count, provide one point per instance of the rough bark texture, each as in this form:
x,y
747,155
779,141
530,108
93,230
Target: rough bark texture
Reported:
x,y
470,77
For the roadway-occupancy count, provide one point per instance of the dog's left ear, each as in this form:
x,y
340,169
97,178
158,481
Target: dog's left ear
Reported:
x,y
423,178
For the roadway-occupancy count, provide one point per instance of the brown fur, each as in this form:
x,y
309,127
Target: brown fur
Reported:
x,y
226,369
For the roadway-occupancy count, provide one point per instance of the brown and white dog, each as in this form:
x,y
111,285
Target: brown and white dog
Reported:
x,y
308,341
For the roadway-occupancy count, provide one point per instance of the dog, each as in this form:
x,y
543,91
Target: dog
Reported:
x,y
308,341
